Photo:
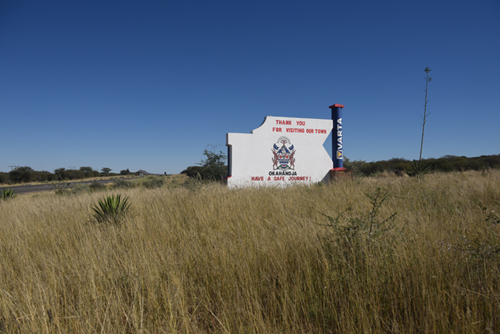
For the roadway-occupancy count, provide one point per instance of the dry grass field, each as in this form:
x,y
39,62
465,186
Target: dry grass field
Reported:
x,y
306,259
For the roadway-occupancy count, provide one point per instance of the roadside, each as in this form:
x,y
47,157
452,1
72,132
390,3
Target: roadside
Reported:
x,y
97,178
45,186
54,186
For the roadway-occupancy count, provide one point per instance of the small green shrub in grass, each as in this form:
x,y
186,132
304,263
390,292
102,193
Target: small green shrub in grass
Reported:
x,y
121,183
111,209
7,193
96,186
419,168
69,188
154,182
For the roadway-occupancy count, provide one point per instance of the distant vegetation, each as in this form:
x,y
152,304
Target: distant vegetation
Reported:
x,y
448,163
213,168
27,174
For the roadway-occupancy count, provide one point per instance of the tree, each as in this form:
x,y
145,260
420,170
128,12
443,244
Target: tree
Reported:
x,y
4,177
213,165
125,172
21,174
193,171
43,175
73,174
106,170
212,168
60,173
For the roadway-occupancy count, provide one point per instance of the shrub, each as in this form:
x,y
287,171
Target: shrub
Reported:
x,y
43,176
212,168
355,166
21,174
352,229
89,172
419,168
96,186
111,209
121,183
125,172
69,188
73,174
7,193
153,182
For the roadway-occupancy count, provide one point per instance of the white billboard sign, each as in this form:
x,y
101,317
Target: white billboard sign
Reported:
x,y
281,152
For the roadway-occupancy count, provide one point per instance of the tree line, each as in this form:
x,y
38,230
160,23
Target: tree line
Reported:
x,y
27,174
213,167
447,163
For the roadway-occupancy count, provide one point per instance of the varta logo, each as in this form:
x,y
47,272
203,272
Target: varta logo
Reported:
x,y
339,139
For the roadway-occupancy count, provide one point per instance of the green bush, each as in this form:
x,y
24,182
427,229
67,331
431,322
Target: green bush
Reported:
x,y
212,168
153,182
419,168
111,209
121,183
7,193
21,174
96,186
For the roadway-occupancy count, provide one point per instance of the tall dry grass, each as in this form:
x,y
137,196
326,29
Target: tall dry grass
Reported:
x,y
211,260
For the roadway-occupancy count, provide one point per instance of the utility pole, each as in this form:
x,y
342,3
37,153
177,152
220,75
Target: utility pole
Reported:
x,y
427,80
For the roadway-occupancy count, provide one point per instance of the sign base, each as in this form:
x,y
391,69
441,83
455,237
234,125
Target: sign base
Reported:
x,y
340,174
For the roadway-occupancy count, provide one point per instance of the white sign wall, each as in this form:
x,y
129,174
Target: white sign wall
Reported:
x,y
281,152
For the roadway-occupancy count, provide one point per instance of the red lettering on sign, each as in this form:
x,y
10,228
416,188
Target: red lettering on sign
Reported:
x,y
299,178
295,130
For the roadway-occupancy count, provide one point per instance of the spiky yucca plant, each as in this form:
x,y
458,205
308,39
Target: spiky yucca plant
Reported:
x,y
111,209
7,193
419,168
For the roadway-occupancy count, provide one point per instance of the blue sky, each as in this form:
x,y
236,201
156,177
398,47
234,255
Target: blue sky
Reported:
x,y
149,84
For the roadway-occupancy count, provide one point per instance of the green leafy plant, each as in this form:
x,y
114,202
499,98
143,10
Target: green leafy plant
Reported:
x,y
7,193
111,209
418,168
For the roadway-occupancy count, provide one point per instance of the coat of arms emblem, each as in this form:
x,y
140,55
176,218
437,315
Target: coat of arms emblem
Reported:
x,y
283,154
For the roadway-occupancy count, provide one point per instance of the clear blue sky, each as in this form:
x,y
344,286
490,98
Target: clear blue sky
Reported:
x,y
149,84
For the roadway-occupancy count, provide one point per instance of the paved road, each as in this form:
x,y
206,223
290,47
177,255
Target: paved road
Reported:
x,y
48,187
